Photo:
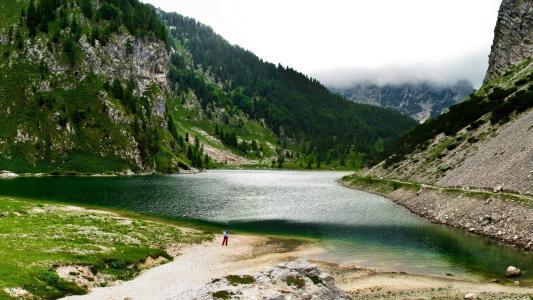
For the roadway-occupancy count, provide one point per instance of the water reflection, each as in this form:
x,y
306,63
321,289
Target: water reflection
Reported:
x,y
355,226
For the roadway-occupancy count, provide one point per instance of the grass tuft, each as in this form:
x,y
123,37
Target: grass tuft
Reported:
x,y
236,279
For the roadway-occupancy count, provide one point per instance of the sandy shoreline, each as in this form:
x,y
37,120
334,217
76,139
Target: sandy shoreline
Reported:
x,y
246,254
198,264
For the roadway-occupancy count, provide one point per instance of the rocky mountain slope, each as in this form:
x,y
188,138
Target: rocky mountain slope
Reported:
x,y
513,37
418,100
485,141
472,167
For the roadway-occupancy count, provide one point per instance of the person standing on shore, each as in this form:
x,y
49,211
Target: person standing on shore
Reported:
x,y
225,239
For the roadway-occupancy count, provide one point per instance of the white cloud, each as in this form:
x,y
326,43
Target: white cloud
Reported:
x,y
315,36
468,67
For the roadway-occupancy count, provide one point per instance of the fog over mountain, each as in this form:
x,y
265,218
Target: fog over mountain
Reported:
x,y
469,67
418,90
341,41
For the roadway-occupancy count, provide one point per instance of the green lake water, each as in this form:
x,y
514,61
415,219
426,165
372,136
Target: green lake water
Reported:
x,y
355,227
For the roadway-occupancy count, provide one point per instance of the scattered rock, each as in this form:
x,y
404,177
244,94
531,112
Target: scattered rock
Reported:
x,y
189,171
470,296
513,271
498,188
495,218
516,282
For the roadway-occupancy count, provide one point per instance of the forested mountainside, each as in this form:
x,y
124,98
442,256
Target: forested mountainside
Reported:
x,y
302,113
485,141
420,100
100,86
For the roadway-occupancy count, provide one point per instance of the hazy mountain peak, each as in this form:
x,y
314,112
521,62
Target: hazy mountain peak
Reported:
x,y
420,100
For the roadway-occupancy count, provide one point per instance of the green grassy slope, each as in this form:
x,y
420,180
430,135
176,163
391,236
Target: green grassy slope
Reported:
x,y
38,237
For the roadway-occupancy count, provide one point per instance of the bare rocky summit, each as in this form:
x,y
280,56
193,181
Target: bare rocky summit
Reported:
x,y
513,36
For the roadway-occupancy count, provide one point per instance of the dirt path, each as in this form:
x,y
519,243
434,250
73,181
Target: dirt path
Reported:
x,y
199,264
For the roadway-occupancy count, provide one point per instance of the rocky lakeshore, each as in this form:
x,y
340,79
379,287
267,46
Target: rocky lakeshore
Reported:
x,y
503,217
7,175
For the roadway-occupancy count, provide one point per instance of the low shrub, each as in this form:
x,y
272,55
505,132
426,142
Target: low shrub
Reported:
x,y
221,295
236,279
295,281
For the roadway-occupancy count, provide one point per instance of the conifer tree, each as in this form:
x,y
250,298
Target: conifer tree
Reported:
x,y
32,19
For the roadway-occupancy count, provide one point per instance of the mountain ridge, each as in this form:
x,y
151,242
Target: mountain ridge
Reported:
x,y
420,100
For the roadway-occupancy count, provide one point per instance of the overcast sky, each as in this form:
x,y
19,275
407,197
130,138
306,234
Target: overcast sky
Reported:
x,y
339,41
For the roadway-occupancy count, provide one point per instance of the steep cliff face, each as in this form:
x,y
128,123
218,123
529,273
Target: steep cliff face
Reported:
x,y
513,36
144,61
418,100
70,104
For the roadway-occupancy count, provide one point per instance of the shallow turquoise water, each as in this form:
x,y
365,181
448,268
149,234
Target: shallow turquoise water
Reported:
x,y
355,227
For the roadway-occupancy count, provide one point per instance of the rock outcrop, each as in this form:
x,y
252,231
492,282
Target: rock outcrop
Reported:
x,y
513,36
294,280
145,60
98,123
